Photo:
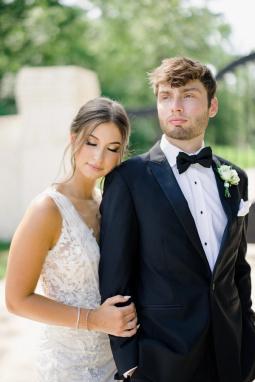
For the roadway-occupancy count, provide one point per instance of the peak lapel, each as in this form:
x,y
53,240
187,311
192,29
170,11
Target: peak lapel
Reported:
x,y
164,175
230,206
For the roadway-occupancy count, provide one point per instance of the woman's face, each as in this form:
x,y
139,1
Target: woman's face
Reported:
x,y
100,152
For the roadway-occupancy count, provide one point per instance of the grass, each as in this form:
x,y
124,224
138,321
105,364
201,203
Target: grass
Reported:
x,y
4,247
3,263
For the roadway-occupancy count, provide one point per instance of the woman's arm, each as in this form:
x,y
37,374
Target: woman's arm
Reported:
x,y
37,233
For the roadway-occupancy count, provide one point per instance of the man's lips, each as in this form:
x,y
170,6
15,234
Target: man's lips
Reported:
x,y
176,120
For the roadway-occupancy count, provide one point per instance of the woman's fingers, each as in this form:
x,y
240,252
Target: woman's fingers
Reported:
x,y
116,299
128,333
122,319
129,309
126,311
131,324
130,317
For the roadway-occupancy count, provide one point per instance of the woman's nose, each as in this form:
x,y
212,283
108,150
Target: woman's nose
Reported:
x,y
99,156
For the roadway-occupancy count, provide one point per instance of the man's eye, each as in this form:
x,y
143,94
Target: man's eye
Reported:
x,y
188,96
90,143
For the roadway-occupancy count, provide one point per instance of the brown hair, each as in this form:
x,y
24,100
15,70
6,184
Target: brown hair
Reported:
x,y
177,71
92,114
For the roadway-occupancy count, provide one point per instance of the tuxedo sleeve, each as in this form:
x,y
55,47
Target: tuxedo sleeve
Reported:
x,y
242,269
118,260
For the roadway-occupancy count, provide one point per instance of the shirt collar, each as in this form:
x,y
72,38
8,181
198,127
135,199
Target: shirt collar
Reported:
x,y
172,151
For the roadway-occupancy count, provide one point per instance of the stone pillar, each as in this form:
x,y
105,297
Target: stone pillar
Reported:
x,y
48,98
10,154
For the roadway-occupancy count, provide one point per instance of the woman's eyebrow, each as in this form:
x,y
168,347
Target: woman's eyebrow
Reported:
x,y
93,136
110,143
115,143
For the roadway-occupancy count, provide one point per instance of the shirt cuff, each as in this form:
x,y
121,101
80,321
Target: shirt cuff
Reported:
x,y
130,371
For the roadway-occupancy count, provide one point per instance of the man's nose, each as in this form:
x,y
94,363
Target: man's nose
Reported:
x,y
176,104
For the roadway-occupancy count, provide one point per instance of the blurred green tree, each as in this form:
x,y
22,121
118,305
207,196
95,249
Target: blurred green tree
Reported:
x,y
41,32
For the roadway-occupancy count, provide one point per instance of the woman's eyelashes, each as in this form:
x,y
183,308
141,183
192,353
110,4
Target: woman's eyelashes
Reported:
x,y
112,149
90,143
116,150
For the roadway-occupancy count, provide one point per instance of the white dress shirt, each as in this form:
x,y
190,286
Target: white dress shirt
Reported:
x,y
198,185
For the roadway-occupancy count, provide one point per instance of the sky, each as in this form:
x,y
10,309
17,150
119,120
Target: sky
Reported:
x,y
238,13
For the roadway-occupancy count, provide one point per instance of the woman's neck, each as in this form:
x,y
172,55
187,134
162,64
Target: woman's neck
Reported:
x,y
78,188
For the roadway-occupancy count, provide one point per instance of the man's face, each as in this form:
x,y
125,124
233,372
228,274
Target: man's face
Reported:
x,y
183,112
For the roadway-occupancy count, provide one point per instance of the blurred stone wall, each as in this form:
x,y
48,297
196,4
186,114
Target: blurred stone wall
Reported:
x,y
32,143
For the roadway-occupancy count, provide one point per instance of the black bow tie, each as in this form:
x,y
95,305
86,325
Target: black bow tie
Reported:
x,y
204,157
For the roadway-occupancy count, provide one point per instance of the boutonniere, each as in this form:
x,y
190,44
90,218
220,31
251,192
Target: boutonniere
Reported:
x,y
229,176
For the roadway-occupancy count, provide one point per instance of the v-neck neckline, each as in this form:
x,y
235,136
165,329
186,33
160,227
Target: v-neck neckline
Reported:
x,y
85,225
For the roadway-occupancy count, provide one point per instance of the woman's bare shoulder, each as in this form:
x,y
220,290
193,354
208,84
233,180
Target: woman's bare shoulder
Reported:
x,y
44,208
42,219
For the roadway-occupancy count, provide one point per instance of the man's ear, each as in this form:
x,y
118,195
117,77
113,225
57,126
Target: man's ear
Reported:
x,y
213,109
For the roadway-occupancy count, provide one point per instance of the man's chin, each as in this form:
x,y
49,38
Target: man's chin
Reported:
x,y
179,137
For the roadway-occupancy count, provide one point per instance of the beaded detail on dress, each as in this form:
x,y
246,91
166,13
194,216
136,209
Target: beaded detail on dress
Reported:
x,y
70,276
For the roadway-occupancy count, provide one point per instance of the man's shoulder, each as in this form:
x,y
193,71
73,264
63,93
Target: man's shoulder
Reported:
x,y
129,170
239,170
133,164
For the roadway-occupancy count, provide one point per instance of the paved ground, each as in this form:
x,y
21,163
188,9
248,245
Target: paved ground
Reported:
x,y
18,339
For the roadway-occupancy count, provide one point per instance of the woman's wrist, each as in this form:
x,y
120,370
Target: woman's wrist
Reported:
x,y
92,323
88,319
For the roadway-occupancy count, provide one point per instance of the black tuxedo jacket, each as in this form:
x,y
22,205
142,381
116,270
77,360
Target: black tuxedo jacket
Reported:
x,y
150,249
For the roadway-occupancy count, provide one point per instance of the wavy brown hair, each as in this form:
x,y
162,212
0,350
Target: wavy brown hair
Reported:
x,y
177,71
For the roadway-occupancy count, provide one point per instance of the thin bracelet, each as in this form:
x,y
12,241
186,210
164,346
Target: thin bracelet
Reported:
x,y
78,317
86,318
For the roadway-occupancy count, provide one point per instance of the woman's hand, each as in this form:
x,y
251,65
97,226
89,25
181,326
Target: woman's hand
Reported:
x,y
118,321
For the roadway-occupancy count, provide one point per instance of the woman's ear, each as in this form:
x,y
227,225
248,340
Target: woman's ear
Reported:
x,y
213,109
72,138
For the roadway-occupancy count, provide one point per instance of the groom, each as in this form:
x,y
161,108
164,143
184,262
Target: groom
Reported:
x,y
173,237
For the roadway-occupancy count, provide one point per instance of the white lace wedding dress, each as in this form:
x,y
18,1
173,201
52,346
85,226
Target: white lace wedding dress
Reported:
x,y
70,275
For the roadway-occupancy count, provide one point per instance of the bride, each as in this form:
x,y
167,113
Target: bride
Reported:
x,y
56,243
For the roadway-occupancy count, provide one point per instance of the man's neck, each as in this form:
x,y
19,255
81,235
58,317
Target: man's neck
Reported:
x,y
188,146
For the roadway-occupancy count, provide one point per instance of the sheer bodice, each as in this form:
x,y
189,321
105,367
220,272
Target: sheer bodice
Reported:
x,y
70,276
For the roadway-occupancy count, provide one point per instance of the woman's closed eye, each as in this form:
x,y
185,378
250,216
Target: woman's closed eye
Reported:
x,y
90,143
114,149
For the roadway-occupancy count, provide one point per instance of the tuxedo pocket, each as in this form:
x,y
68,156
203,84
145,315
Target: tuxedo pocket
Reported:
x,y
162,307
244,208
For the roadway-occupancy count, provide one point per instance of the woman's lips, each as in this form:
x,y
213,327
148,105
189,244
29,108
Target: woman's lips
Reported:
x,y
95,168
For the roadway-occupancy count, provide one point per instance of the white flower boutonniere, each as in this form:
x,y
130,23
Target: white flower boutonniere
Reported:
x,y
229,176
